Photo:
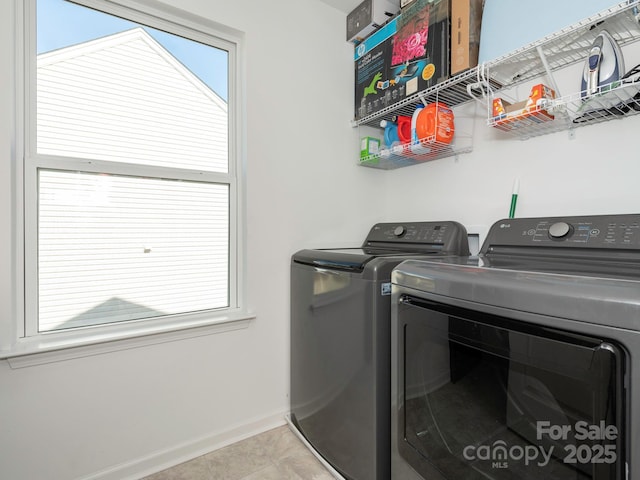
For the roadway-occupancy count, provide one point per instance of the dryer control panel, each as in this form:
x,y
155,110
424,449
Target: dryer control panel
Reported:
x,y
609,232
415,236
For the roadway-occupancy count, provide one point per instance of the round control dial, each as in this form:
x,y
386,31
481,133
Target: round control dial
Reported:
x,y
559,230
399,231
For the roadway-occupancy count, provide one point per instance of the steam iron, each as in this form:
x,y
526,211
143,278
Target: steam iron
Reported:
x,y
602,74
604,66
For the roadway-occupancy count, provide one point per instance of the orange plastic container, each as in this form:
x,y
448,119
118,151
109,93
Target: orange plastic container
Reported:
x,y
435,124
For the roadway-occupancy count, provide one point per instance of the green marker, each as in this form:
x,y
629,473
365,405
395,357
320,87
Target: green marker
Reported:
x,y
514,198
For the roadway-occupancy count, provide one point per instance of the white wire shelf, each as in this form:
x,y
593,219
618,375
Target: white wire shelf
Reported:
x,y
563,48
428,150
572,111
452,92
566,46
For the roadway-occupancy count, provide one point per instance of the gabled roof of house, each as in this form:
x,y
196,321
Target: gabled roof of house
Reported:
x,y
128,36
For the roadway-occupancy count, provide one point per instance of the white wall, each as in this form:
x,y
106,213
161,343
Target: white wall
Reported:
x,y
114,414
111,415
595,172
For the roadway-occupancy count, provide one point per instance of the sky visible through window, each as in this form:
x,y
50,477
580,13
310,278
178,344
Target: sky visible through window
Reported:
x,y
62,24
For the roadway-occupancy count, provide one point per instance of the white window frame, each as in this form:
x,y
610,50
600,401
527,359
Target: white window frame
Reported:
x,y
25,339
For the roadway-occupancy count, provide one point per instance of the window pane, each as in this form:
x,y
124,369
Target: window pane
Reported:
x,y
116,248
110,89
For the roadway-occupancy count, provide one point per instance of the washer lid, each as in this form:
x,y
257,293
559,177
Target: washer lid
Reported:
x,y
349,259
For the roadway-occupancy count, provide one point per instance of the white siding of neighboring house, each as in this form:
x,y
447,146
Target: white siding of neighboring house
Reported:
x,y
123,247
134,101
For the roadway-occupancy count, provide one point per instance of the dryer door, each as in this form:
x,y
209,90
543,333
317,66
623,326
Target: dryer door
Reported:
x,y
486,397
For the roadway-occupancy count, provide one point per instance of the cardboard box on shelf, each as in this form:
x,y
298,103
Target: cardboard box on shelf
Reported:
x,y
533,109
466,20
369,16
409,54
369,147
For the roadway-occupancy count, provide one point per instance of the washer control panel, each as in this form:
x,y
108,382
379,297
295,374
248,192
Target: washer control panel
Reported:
x,y
599,231
447,236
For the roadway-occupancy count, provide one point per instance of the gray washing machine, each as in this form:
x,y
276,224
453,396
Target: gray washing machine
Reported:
x,y
523,362
340,341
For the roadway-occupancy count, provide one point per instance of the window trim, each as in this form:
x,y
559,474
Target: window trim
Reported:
x,y
23,339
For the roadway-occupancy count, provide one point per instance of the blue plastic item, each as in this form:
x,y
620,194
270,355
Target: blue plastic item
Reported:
x,y
391,137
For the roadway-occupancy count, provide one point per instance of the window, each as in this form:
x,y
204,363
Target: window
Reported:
x,y
131,191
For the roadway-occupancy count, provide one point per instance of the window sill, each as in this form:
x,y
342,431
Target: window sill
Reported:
x,y
62,346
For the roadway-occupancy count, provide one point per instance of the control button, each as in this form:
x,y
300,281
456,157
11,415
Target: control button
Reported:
x,y
399,231
559,230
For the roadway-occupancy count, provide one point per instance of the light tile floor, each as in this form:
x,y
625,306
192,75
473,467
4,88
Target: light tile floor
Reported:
x,y
274,455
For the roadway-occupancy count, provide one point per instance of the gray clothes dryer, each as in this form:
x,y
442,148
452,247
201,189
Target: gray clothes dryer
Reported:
x,y
340,341
523,362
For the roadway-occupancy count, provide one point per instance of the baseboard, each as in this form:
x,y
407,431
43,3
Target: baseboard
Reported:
x,y
161,460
